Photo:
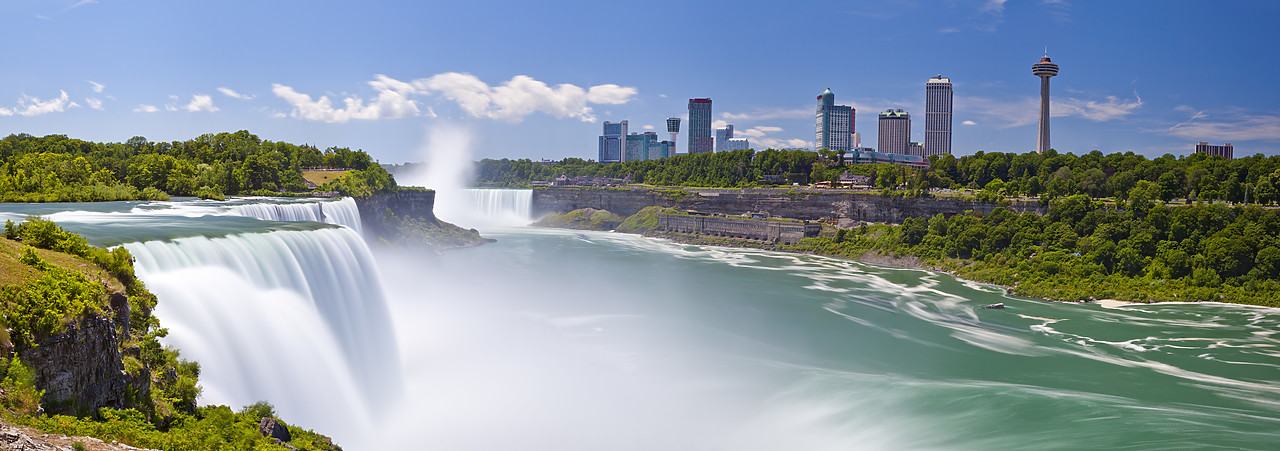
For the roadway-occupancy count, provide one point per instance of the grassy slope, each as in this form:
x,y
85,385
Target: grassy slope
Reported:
x,y
322,177
14,272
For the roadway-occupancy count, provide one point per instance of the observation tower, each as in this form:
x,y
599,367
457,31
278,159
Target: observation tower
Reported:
x,y
1044,69
673,127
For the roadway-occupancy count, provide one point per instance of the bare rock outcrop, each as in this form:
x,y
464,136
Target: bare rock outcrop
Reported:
x,y
80,369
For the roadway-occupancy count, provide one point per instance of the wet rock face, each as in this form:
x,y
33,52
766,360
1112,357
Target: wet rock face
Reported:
x,y
81,370
405,204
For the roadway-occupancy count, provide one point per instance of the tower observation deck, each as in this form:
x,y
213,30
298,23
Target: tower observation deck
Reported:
x,y
1044,69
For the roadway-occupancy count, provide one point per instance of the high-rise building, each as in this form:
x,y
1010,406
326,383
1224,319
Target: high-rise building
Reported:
x,y
834,123
723,135
915,148
613,142
638,145
895,131
700,140
937,116
673,127
1044,69
1225,151
661,149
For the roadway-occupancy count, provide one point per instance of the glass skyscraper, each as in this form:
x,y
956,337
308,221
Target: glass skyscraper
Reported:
x,y
937,116
700,140
834,123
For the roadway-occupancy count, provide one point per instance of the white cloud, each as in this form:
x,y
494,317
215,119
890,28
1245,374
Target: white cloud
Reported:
x,y
201,102
719,124
968,123
610,94
97,87
648,127
392,102
235,95
1112,108
146,109
31,106
513,100
93,103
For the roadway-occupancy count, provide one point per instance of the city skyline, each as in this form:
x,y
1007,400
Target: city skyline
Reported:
x,y
381,77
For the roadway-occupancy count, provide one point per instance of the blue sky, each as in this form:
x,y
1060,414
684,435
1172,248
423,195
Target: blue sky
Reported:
x,y
535,79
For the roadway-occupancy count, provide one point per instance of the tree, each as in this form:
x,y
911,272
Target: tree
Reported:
x,y
1094,182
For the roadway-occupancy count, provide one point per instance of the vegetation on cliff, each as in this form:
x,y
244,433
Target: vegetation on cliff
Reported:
x,y
1080,250
581,219
56,168
52,280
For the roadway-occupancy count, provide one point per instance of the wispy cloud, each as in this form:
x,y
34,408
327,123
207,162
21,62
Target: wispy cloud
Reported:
x,y
79,4
235,95
94,103
1025,111
968,123
512,100
97,87
144,108
770,114
1233,126
32,106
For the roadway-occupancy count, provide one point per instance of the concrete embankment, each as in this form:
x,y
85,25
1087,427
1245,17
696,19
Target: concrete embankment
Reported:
x,y
844,207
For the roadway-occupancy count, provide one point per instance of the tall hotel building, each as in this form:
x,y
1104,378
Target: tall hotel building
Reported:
x,y
1225,151
895,132
937,116
700,140
613,142
835,123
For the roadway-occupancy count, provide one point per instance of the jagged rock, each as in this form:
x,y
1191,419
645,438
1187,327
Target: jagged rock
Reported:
x,y
996,305
81,370
273,428
20,438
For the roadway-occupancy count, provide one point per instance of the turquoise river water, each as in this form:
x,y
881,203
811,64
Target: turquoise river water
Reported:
x,y
551,339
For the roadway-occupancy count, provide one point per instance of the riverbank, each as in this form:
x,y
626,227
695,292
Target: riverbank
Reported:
x,y
1029,255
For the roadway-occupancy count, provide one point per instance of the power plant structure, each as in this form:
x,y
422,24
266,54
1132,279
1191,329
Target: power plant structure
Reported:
x,y
1044,69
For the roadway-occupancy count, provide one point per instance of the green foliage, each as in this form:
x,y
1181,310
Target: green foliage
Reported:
x,y
45,305
209,428
1083,250
362,183
19,387
643,222
582,219
57,169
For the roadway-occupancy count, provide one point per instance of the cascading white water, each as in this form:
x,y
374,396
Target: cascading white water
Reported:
x,y
270,311
341,212
485,208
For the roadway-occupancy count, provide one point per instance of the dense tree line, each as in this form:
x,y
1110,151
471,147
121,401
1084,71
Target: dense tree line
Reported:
x,y
994,175
1138,251
58,168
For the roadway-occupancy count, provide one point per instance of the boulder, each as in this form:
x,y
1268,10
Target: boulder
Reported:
x,y
273,428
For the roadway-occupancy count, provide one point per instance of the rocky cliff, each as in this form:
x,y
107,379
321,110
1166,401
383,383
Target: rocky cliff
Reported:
x,y
417,204
407,219
844,207
81,369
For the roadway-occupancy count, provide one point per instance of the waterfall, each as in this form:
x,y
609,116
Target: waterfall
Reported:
x,y
485,207
266,313
341,212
